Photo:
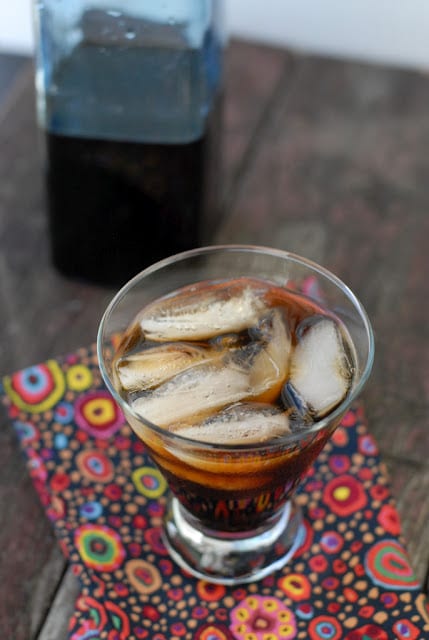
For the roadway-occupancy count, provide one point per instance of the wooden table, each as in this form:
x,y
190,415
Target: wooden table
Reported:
x,y
325,158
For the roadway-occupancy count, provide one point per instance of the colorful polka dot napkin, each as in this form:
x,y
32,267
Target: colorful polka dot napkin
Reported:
x,y
350,578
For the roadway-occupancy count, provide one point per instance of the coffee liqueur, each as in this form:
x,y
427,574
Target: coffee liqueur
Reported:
x,y
241,372
129,103
115,207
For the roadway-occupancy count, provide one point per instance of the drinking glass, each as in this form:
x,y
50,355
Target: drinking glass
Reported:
x,y
230,516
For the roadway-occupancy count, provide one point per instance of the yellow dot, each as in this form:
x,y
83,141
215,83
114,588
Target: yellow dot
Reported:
x,y
341,493
99,411
79,378
242,614
270,605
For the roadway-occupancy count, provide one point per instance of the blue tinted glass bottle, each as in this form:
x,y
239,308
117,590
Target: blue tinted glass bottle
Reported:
x,y
128,94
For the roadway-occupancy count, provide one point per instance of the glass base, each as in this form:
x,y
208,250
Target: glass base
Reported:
x,y
231,558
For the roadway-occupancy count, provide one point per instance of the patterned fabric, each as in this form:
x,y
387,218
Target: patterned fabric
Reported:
x,y
351,577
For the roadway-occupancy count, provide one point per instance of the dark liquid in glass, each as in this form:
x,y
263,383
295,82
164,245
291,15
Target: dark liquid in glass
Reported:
x,y
234,489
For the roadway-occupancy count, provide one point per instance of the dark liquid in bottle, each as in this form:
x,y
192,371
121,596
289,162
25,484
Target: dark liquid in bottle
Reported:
x,y
132,156
116,207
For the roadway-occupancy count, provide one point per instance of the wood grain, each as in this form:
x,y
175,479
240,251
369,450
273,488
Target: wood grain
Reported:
x,y
410,487
62,608
323,157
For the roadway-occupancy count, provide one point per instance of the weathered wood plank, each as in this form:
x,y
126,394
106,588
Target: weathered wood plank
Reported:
x,y
253,73
44,589
28,548
55,626
10,66
324,158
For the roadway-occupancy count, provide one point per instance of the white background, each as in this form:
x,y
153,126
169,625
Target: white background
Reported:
x,y
390,31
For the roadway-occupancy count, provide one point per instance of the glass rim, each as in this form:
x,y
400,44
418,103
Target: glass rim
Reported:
x,y
279,441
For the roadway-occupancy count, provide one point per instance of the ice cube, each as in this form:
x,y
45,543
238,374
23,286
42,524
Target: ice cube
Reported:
x,y
194,314
270,366
196,392
300,414
320,370
153,366
243,423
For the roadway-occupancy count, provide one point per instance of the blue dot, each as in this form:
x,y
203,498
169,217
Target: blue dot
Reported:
x,y
95,465
25,430
64,412
91,510
34,379
60,441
